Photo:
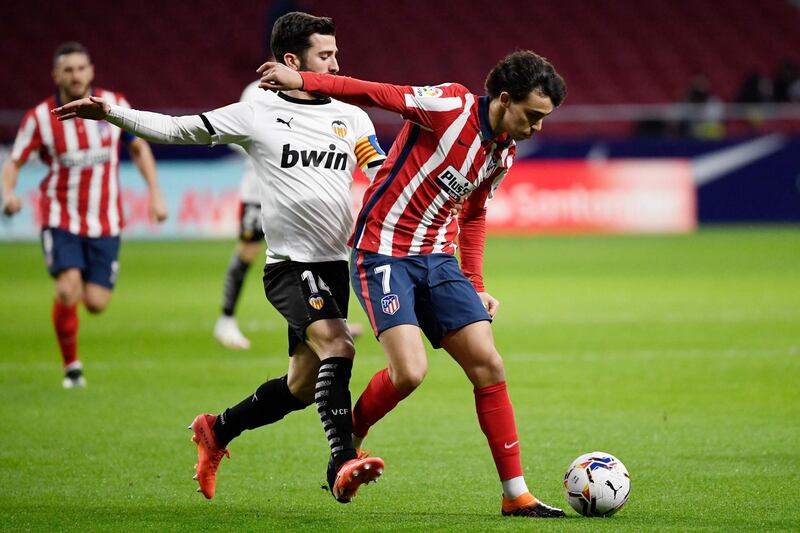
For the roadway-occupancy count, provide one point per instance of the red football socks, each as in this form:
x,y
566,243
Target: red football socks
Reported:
x,y
65,321
496,417
378,398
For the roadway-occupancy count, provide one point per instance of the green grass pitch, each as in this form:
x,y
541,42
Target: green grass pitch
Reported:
x,y
679,354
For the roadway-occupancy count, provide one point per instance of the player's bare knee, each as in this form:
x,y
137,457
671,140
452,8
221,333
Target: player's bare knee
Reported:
x,y
95,300
95,307
405,380
68,296
68,293
496,368
488,372
336,346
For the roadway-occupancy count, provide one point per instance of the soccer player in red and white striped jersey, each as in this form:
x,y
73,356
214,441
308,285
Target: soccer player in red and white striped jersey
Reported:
x,y
453,145
80,203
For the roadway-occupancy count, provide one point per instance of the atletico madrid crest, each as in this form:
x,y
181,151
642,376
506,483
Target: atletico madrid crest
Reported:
x,y
390,304
316,301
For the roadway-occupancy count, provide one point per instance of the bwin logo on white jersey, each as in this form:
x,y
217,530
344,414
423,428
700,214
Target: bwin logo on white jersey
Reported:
x,y
313,158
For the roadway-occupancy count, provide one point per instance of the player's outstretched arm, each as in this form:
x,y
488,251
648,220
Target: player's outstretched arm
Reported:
x,y
277,76
153,127
93,108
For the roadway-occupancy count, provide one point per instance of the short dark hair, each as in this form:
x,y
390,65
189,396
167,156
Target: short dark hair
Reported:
x,y
522,72
67,48
291,33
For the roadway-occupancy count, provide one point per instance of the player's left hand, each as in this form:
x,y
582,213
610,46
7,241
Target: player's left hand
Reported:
x,y
490,303
458,205
93,108
158,209
279,77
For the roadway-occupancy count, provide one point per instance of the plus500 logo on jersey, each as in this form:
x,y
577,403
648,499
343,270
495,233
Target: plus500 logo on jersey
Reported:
x,y
313,158
454,183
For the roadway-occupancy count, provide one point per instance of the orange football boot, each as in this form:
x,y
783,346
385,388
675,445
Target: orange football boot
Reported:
x,y
345,482
528,505
209,454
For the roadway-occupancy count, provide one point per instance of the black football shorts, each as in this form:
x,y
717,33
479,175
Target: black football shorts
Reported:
x,y
306,292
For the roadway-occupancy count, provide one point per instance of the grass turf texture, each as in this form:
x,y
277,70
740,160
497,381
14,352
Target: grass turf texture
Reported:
x,y
678,354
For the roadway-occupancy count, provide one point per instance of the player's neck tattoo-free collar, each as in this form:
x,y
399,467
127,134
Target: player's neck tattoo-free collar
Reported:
x,y
316,101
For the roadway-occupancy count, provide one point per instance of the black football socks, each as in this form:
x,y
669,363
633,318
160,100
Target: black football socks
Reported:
x,y
271,402
234,278
332,396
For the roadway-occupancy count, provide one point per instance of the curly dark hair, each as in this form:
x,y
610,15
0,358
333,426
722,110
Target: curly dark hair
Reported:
x,y
67,48
523,71
291,33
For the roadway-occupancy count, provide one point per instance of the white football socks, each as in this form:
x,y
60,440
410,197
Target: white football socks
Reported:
x,y
514,487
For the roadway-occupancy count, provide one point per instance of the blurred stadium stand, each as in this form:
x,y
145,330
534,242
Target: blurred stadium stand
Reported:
x,y
647,79
183,56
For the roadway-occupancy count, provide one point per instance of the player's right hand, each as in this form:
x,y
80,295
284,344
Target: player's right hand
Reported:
x,y
93,108
12,204
490,303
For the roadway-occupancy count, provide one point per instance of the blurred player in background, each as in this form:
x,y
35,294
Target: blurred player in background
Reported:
x,y
305,148
80,205
251,235
453,144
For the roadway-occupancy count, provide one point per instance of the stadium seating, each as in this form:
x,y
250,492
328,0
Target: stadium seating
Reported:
x,y
190,55
626,51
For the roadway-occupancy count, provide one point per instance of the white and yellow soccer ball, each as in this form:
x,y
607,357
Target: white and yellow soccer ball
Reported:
x,y
597,484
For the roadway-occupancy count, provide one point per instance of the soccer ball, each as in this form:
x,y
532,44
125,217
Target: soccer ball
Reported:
x,y
597,484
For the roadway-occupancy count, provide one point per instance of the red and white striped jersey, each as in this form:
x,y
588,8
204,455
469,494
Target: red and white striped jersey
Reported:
x,y
81,192
445,150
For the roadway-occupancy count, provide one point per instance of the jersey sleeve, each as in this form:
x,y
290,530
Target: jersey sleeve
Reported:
x,y
369,154
472,221
251,93
232,124
28,138
226,125
472,234
431,107
126,137
158,128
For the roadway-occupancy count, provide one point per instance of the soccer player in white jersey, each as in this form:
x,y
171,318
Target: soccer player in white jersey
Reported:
x,y
453,144
251,237
80,206
305,149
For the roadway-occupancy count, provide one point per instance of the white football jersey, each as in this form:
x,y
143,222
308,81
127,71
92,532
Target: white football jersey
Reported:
x,y
305,153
